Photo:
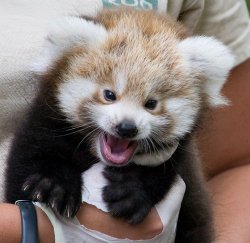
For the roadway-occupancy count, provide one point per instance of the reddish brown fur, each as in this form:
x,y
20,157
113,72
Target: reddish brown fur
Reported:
x,y
154,69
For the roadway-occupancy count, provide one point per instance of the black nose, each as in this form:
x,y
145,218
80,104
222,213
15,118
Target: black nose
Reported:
x,y
126,129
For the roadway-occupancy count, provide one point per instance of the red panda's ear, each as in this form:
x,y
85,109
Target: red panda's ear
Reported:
x,y
68,32
213,60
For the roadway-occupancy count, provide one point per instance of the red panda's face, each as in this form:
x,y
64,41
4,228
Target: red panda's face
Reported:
x,y
134,87
139,104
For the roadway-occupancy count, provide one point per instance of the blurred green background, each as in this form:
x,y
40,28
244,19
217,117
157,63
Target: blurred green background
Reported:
x,y
248,4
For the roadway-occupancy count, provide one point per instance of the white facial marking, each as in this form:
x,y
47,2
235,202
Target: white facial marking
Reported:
x,y
71,93
109,116
183,112
155,159
121,82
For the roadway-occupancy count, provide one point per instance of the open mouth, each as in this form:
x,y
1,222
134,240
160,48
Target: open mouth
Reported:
x,y
117,151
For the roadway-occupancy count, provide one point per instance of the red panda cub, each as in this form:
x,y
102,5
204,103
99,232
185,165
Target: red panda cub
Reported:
x,y
128,89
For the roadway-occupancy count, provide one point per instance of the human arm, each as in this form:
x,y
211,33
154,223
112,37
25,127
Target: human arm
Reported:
x,y
231,199
95,219
88,215
225,151
224,139
10,225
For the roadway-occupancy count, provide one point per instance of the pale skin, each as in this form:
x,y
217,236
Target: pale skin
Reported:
x,y
224,146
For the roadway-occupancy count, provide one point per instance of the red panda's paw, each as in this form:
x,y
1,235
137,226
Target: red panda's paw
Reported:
x,y
126,197
61,197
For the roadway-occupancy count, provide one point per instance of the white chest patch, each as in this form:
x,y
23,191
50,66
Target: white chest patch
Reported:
x,y
155,159
94,182
72,93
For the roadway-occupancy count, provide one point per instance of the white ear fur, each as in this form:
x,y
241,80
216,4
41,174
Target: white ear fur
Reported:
x,y
64,34
213,59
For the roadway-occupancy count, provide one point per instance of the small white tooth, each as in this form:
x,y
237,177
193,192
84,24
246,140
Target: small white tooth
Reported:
x,y
26,187
53,204
38,196
68,215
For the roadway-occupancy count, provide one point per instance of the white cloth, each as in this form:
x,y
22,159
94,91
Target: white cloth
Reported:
x,y
71,231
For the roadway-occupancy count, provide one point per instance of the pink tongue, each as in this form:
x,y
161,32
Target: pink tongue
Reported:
x,y
116,150
117,145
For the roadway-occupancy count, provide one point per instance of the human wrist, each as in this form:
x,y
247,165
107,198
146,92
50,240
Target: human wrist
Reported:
x,y
95,219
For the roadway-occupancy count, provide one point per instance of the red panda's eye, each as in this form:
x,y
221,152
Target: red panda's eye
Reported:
x,y
151,104
109,95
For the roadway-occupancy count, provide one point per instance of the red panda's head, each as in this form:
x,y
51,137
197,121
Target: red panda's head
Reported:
x,y
135,80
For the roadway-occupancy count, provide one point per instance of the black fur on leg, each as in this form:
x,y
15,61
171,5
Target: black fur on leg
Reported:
x,y
134,189
195,223
44,164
